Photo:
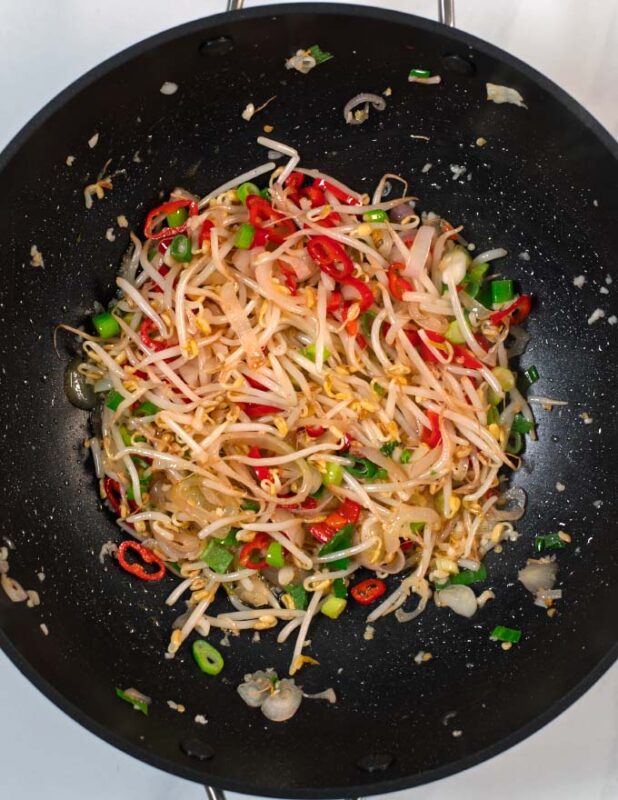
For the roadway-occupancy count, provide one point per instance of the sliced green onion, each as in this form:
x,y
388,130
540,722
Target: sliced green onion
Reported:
x,y
146,409
245,189
379,390
548,541
493,416
180,248
144,484
484,296
381,474
333,475
334,607
176,218
514,443
363,468
152,253
299,596
531,375
521,424
477,271
114,399
503,634
501,291
125,435
310,352
340,541
207,657
419,73
339,588
505,377
417,527
217,557
319,55
377,215
467,577
454,334
139,705
366,321
388,448
274,555
230,539
405,456
265,193
470,286
106,325
250,505
244,236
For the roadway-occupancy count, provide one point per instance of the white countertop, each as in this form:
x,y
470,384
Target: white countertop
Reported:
x,y
44,46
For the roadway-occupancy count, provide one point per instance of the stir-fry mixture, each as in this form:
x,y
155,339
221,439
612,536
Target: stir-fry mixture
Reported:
x,y
305,391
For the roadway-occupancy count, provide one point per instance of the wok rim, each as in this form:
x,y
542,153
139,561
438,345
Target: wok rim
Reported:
x,y
382,785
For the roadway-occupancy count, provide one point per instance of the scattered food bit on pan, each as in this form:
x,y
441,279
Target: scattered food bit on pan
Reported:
x,y
586,418
539,575
613,319
110,235
139,701
36,257
387,92
200,719
524,256
458,170
168,88
456,734
122,221
419,136
41,576
137,159
44,629
33,598
547,402
422,657
108,549
426,167
506,635
596,315
356,116
69,161
485,597
579,281
268,128
504,94
481,142
423,76
604,290
305,60
369,633
278,699
176,706
93,141
560,487
250,109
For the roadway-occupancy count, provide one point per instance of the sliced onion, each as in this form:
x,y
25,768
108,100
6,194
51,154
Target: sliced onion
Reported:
x,y
78,391
538,575
14,590
460,599
400,212
379,103
256,687
284,702
237,320
419,251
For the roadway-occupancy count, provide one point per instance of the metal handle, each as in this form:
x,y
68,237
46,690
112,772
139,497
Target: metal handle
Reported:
x,y
215,794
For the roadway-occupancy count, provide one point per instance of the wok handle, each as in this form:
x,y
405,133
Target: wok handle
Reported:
x,y
211,793
446,11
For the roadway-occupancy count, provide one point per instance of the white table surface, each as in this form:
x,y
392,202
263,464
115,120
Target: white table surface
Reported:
x,y
44,46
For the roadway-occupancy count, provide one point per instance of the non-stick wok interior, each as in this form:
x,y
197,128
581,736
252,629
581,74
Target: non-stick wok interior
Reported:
x,y
544,183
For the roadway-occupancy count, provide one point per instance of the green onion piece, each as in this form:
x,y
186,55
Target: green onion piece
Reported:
x,y
521,424
217,557
362,468
366,321
477,271
420,73
340,541
319,55
299,596
381,474
177,217
514,443
106,325
388,448
174,565
468,576
250,505
144,484
405,456
484,296
379,390
265,193
310,352
114,399
207,657
245,189
548,541
339,588
125,435
180,248
146,409
334,607
505,377
502,291
377,215
531,375
244,236
139,462
274,555
333,475
138,705
454,334
417,527
503,634
493,416
152,253
230,539
470,286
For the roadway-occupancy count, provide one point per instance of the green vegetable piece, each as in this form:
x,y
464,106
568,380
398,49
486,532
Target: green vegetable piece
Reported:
x,y
417,527
477,271
531,375
244,236
454,334
493,416
514,443
138,705
310,352
521,424
503,634
250,505
333,475
381,474
265,193
377,215
114,399
299,596
419,73
388,448
274,555
379,390
144,484
319,55
146,409
230,539
366,321
339,588
333,607
340,541
207,657
180,248
548,541
501,291
106,325
178,217
405,456
484,296
318,493
217,557
245,189
125,435
468,576
362,468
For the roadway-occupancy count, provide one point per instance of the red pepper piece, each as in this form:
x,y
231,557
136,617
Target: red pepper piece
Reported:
x,y
163,270
263,215
291,281
405,546
328,254
424,350
340,194
518,311
335,302
168,208
163,245
207,226
432,436
309,503
315,432
362,342
255,410
252,555
348,441
147,328
331,221
295,180
347,514
365,293
367,592
396,284
112,492
321,532
255,384
261,473
463,357
314,195
146,555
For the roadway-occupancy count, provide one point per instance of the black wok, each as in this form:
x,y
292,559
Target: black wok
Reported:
x,y
544,183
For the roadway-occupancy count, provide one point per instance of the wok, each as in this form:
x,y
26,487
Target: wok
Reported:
x,y
543,183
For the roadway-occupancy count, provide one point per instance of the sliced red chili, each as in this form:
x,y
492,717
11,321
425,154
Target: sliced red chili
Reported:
x,y
261,473
263,215
361,341
314,195
396,284
315,431
424,350
207,226
335,302
463,357
340,194
146,555
518,310
367,592
168,208
309,503
295,180
163,270
255,410
331,221
329,254
407,545
147,328
291,281
112,492
255,384
365,293
321,532
347,514
252,555
432,436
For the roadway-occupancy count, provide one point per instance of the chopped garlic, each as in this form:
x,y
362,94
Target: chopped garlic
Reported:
x,y
504,94
122,221
579,281
200,719
168,88
596,315
481,142
36,257
69,161
560,487
93,141
248,112
427,167
110,235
